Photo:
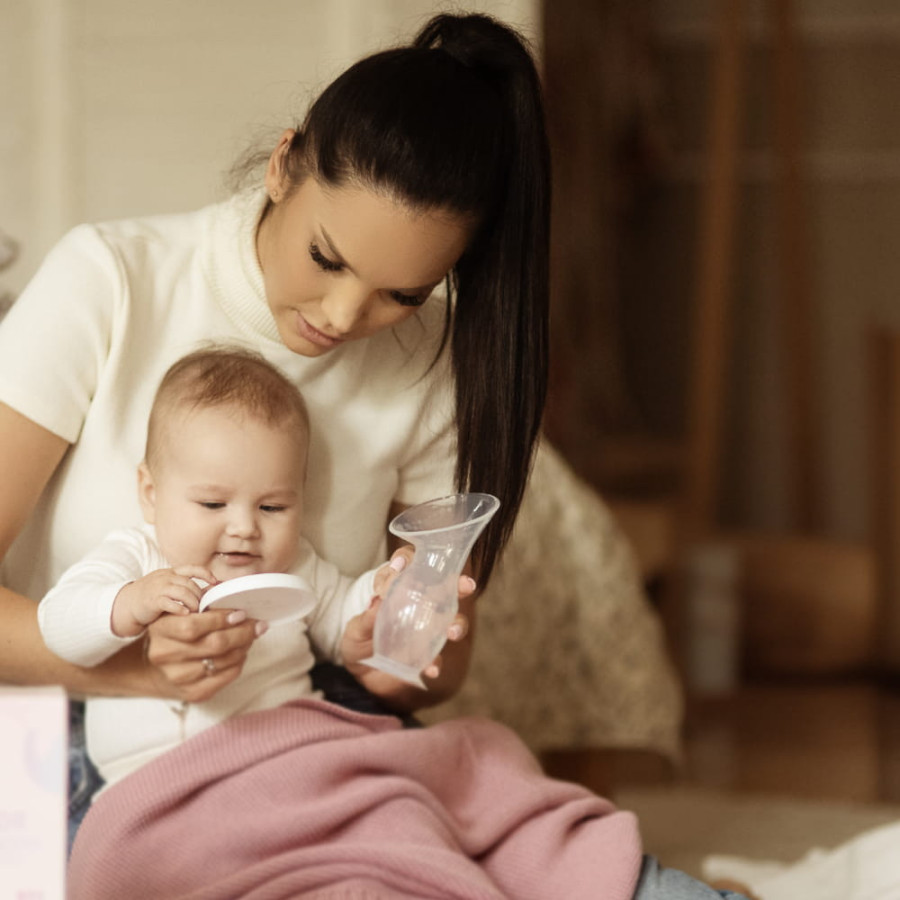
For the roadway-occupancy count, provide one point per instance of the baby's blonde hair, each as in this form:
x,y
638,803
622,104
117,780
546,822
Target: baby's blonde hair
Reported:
x,y
231,377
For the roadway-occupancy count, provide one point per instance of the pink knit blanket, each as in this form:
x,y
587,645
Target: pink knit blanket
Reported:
x,y
312,800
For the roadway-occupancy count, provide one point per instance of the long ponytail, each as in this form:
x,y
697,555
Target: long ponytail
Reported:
x,y
455,121
499,342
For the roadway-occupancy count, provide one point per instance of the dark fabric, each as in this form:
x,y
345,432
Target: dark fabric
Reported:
x,y
340,687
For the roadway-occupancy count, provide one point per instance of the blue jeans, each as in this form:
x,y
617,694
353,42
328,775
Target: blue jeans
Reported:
x,y
84,779
659,883
335,682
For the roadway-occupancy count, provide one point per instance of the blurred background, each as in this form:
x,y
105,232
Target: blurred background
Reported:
x,y
726,328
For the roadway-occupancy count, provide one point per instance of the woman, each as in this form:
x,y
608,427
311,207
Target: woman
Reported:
x,y
418,165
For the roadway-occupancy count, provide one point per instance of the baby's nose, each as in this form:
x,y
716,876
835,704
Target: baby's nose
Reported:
x,y
242,523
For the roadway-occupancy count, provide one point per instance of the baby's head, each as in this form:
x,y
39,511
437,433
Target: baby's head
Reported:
x,y
222,477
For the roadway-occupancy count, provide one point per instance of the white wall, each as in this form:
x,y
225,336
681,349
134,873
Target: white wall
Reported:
x,y
113,108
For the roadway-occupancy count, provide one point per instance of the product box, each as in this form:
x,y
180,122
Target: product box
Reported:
x,y
33,792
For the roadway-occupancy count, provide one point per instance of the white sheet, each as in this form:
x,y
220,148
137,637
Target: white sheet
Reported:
x,y
864,868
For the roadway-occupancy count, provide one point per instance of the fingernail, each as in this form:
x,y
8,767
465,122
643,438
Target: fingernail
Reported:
x,y
261,628
398,563
469,582
455,632
236,616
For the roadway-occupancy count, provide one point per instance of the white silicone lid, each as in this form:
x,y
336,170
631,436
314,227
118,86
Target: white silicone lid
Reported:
x,y
271,596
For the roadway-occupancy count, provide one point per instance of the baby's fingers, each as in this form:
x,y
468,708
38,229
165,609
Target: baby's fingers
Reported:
x,y
201,573
175,607
185,592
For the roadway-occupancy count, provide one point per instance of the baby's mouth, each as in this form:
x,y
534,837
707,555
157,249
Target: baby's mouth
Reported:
x,y
236,557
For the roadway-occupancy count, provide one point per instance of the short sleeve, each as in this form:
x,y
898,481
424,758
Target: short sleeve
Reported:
x,y
56,337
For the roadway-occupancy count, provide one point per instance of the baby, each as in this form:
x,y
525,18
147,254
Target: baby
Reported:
x,y
221,491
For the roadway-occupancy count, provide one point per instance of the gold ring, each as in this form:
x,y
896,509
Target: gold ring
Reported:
x,y
209,667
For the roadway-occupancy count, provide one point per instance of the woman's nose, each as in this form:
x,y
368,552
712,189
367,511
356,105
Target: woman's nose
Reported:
x,y
344,306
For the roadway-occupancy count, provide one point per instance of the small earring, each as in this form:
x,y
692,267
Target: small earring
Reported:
x,y
275,196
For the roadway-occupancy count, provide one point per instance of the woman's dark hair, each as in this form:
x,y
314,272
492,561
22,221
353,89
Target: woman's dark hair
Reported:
x,y
455,122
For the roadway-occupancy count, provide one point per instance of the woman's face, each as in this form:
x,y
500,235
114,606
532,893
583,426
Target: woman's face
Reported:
x,y
341,264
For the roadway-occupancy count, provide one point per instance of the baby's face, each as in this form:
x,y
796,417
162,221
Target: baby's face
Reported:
x,y
226,492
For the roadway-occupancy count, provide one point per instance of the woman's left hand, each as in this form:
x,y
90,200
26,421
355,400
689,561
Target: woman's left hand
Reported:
x,y
357,642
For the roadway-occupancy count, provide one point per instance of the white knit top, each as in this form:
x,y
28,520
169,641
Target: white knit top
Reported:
x,y
113,305
124,733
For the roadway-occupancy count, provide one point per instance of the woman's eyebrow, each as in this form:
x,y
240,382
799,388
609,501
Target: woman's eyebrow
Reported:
x,y
339,258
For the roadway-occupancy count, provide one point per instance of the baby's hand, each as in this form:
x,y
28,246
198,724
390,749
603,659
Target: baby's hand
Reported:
x,y
164,591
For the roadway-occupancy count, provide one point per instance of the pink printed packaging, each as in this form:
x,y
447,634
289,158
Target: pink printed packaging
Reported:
x,y
33,792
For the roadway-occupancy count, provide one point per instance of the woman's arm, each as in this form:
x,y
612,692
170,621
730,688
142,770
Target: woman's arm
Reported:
x,y
29,455
173,670
25,660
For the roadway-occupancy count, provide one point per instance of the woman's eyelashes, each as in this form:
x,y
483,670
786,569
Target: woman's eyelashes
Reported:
x,y
408,299
322,261
331,265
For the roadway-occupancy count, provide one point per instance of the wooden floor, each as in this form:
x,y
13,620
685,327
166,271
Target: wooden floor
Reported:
x,y
829,740
770,773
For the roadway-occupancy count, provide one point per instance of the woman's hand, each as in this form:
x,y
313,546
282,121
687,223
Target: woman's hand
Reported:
x,y
193,657
357,642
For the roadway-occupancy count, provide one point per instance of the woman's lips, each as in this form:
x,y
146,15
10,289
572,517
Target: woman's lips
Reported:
x,y
314,336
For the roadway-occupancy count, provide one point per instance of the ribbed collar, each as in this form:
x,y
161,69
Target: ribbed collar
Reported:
x,y
232,265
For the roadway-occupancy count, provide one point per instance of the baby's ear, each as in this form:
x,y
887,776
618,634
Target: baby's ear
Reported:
x,y
146,493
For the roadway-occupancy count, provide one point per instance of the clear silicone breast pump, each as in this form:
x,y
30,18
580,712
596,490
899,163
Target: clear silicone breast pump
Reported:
x,y
421,603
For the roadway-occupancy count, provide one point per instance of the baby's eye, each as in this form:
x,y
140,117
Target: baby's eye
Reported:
x,y
408,299
322,261
271,508
211,504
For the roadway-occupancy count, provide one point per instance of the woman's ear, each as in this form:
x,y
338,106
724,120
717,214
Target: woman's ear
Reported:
x,y
276,170
146,493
